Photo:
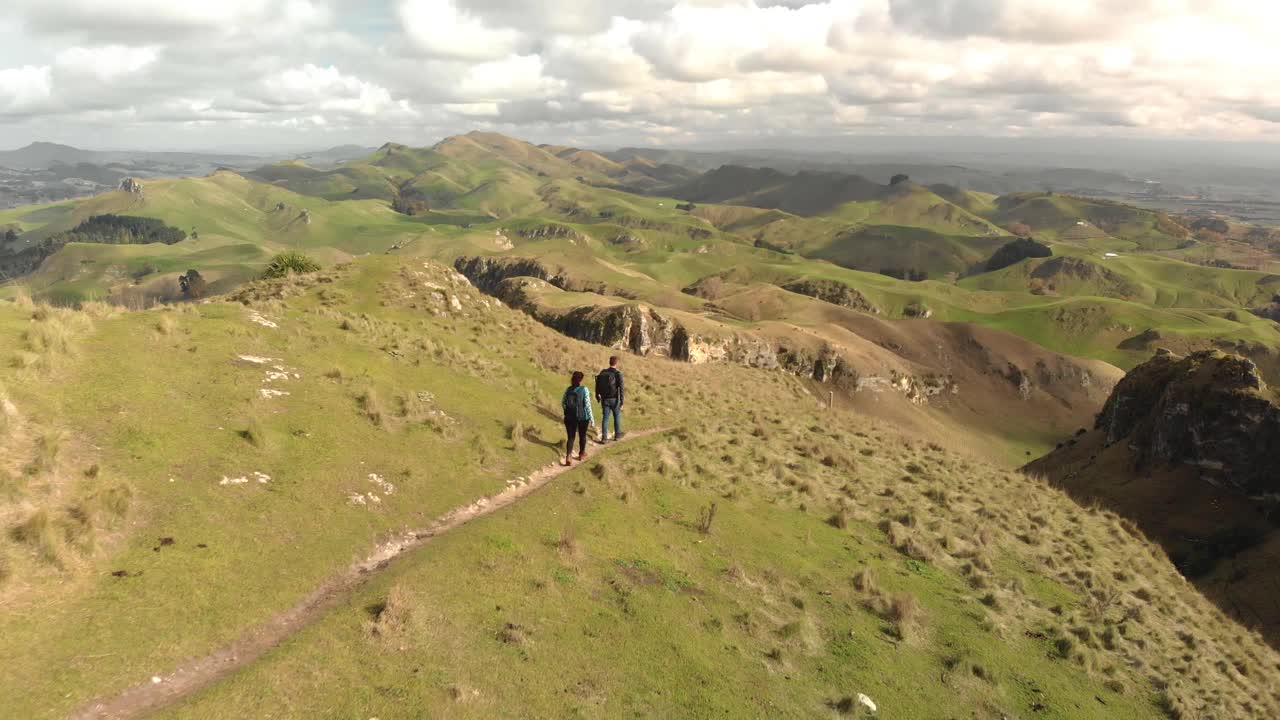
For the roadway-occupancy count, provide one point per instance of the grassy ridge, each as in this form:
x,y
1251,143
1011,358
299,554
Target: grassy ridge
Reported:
x,y
494,195
841,558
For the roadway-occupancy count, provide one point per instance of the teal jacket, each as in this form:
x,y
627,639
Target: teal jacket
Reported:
x,y
577,402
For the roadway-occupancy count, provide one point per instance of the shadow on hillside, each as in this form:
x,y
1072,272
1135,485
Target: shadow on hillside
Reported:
x,y
531,435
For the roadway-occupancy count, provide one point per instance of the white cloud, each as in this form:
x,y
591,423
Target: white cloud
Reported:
x,y
106,62
476,110
441,28
24,88
644,68
157,18
517,77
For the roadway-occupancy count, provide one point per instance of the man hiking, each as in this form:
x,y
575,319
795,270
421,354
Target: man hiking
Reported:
x,y
609,393
577,416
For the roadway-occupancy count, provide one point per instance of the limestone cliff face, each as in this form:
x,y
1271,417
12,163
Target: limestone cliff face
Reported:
x,y
551,231
488,274
1209,410
643,330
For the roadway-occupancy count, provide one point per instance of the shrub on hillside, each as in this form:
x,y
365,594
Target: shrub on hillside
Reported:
x,y
410,206
290,263
192,285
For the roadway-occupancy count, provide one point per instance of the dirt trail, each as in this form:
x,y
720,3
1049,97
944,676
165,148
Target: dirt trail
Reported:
x,y
161,691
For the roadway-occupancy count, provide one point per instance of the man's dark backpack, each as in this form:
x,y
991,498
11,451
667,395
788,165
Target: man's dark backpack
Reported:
x,y
607,383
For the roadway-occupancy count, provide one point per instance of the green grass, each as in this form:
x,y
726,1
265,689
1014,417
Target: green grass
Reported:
x,y
484,190
650,618
597,595
1092,223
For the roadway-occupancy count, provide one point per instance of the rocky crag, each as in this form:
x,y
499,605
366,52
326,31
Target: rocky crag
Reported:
x,y
1186,447
830,291
1209,410
643,330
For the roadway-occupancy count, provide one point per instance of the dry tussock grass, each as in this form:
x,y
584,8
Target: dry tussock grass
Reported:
x,y
389,620
52,514
1134,618
51,335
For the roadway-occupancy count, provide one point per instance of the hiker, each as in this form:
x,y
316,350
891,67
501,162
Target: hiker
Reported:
x,y
609,393
577,415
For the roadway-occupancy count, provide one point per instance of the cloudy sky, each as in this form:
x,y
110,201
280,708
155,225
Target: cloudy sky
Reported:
x,y
258,74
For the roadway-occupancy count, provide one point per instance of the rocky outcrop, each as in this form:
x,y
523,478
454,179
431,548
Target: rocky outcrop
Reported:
x,y
131,186
487,273
1209,410
628,242
643,330
917,310
919,389
1268,312
551,231
634,327
831,291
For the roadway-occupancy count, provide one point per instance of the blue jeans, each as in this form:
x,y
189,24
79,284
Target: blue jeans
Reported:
x,y
611,407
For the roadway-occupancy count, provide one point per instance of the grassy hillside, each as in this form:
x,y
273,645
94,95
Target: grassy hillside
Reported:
x,y
1094,223
759,556
487,194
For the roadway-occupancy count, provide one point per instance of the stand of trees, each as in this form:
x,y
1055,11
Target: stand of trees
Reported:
x,y
409,206
106,229
123,230
1016,251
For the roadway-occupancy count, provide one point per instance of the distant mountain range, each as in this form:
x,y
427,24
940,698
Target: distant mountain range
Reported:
x,y
44,155
1171,182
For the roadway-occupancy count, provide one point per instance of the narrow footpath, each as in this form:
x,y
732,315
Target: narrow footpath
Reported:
x,y
161,691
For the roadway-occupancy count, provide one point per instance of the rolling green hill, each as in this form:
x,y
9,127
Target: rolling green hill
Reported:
x,y
314,496
1094,223
487,194
758,554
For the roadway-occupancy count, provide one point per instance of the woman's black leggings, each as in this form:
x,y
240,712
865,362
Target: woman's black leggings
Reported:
x,y
573,427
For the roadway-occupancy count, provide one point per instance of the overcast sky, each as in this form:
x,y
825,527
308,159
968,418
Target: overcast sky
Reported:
x,y
261,74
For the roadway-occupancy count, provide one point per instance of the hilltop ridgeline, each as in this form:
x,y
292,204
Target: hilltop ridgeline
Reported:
x,y
1209,410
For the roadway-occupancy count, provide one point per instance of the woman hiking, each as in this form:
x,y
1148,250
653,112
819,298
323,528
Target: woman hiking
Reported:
x,y
577,416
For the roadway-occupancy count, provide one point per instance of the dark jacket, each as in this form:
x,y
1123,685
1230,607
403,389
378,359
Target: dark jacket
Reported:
x,y
617,384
